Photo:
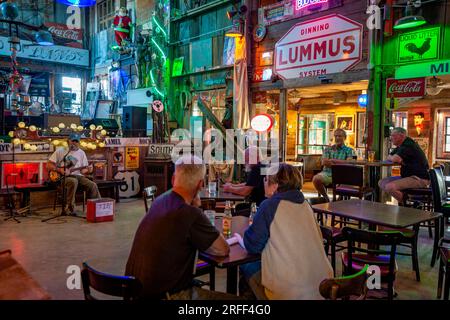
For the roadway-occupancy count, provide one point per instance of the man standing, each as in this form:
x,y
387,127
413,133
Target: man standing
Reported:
x,y
76,165
164,250
414,166
336,154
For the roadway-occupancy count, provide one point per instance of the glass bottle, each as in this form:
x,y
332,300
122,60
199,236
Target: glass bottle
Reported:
x,y
252,213
226,222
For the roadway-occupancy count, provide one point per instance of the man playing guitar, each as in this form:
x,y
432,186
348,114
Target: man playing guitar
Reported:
x,y
74,159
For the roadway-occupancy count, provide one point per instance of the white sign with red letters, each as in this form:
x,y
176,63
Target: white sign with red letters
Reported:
x,y
326,45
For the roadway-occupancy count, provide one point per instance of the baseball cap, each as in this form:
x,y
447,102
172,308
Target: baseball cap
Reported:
x,y
74,137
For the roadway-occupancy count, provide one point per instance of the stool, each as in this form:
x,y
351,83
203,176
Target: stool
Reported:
x,y
419,198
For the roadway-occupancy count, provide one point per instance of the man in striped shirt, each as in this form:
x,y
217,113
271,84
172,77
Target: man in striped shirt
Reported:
x,y
336,154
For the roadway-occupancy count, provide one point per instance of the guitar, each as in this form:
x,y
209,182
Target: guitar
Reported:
x,y
55,176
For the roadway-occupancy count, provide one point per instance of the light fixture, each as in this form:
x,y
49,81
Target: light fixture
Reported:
x,y
236,30
235,11
78,3
44,38
409,20
9,10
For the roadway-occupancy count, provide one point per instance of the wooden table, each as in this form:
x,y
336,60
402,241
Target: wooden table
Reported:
x,y
237,256
220,196
375,213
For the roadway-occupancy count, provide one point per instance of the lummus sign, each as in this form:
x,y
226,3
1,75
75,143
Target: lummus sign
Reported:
x,y
330,44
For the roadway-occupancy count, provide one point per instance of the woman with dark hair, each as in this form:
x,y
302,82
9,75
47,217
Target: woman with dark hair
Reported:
x,y
286,234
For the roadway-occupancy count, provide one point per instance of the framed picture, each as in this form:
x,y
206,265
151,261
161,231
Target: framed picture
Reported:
x,y
361,130
345,122
104,109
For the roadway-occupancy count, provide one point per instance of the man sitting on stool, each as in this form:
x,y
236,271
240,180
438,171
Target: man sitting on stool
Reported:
x,y
75,158
414,166
336,154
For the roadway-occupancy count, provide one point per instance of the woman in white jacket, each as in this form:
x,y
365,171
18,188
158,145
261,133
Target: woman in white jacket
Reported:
x,y
287,235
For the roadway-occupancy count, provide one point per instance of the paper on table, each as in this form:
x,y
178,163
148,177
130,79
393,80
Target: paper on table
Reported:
x,y
236,238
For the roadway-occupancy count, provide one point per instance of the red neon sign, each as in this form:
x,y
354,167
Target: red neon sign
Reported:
x,y
301,4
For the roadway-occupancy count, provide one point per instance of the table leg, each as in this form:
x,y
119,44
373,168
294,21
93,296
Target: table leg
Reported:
x,y
232,274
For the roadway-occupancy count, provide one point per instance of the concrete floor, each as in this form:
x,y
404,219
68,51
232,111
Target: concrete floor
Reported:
x,y
46,250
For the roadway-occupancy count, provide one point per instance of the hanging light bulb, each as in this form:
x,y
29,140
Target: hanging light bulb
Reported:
x,y
101,144
99,128
21,124
73,126
80,128
61,125
55,142
11,134
32,128
16,141
103,132
27,146
55,130
92,127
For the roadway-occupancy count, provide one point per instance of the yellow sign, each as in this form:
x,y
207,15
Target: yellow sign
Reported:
x,y
132,158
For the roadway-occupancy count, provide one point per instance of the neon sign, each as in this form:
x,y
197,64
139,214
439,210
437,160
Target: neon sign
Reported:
x,y
262,122
301,4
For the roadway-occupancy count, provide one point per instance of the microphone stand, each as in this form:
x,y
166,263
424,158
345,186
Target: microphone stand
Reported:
x,y
11,205
64,195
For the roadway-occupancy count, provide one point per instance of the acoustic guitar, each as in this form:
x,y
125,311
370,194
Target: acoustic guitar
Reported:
x,y
55,176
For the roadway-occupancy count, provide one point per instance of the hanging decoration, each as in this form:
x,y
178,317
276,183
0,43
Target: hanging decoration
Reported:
x,y
122,27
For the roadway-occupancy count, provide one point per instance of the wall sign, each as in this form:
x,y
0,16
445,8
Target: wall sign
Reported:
x,y
322,46
427,69
419,45
132,186
132,158
158,106
124,142
160,150
402,92
58,54
64,35
262,122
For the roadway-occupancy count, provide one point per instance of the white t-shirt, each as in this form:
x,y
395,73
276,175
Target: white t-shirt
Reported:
x,y
74,159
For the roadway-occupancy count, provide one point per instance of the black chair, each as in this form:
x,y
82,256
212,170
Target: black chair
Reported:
x,y
208,204
444,269
202,268
441,204
348,182
352,261
149,193
126,287
242,209
345,287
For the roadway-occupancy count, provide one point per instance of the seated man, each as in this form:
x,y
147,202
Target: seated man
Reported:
x,y
335,154
285,232
164,250
254,186
414,166
76,166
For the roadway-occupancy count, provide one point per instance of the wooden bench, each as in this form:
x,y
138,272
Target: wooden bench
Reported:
x,y
27,189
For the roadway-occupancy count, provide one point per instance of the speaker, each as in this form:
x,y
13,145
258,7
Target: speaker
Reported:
x,y
134,121
110,125
52,120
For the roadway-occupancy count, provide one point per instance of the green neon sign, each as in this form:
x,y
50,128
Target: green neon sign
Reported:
x,y
427,69
419,45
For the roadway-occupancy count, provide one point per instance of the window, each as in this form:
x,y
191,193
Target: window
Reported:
x,y
447,135
401,119
72,94
105,14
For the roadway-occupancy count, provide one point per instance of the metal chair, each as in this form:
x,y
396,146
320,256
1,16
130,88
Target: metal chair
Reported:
x,y
344,287
149,193
126,287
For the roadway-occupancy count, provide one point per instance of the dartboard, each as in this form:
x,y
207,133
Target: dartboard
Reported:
x,y
158,106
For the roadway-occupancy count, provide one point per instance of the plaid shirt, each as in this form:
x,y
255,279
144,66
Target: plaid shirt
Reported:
x,y
338,153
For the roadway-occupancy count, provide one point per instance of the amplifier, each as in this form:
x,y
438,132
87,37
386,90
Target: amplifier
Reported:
x,y
110,125
52,120
134,121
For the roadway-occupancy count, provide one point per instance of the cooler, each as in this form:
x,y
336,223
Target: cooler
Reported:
x,y
100,210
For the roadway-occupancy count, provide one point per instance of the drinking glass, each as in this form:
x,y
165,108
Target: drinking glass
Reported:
x,y
211,215
212,187
371,156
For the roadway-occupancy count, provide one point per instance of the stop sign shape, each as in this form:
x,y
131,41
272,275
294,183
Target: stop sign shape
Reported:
x,y
326,45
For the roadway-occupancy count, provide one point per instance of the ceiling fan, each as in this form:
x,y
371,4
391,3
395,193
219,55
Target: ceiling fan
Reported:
x,y
436,85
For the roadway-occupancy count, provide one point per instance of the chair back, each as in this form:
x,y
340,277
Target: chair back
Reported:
x,y
344,174
316,200
344,287
149,193
126,287
373,240
242,209
438,188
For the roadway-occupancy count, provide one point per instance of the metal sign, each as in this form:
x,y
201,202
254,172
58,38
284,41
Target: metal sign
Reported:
x,y
160,149
322,46
428,69
419,45
158,106
405,88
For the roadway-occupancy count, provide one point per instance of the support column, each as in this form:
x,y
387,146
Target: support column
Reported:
x,y
282,125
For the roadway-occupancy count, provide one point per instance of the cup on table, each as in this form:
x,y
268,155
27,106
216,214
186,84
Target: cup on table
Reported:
x,y
212,187
371,156
211,215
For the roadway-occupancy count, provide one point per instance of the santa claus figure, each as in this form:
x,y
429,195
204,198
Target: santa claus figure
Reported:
x,y
122,26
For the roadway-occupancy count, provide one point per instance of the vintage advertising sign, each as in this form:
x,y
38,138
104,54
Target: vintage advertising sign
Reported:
x,y
426,69
419,45
125,142
160,150
132,157
322,46
401,92
63,35
290,9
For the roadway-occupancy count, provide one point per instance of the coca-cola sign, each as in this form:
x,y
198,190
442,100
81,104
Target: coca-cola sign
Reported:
x,y
69,37
405,88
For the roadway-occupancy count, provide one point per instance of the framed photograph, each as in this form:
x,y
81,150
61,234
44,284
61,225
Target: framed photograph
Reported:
x,y
345,122
361,130
104,109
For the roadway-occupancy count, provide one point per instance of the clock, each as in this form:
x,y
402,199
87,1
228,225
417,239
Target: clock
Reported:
x,y
259,33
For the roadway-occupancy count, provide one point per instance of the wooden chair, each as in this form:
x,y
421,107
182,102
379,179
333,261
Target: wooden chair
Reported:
x,y
444,269
383,258
345,287
126,287
149,193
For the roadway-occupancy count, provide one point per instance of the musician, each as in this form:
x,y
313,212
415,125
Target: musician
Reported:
x,y
73,159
